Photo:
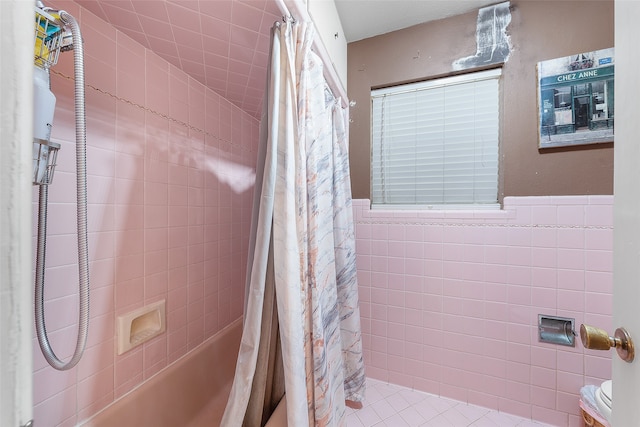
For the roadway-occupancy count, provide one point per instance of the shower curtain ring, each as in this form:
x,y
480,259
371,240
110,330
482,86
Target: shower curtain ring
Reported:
x,y
289,18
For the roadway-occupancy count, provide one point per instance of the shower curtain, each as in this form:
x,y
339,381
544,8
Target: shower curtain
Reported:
x,y
301,323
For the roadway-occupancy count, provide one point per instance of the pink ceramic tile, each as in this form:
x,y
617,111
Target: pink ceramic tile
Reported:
x,y
519,295
569,382
224,306
102,301
67,223
156,285
544,257
571,279
177,344
154,369
155,261
102,272
544,356
495,274
397,232
129,294
570,300
473,253
571,215
155,239
196,178
544,237
95,392
195,260
102,190
58,409
599,261
570,362
543,397
518,334
497,236
128,369
600,200
519,236
544,215
129,267
549,416
598,303
178,86
225,121
495,254
155,351
195,333
155,194
177,216
379,231
598,366
452,252
543,377
178,254
544,298
52,382
62,312
396,265
473,275
474,308
599,215
571,259
59,283
571,238
243,36
99,328
413,250
129,134
599,239
180,111
595,281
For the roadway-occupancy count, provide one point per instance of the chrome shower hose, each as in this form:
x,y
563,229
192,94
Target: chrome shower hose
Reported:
x,y
83,253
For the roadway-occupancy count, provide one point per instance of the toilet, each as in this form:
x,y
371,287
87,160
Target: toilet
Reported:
x,y
603,399
595,404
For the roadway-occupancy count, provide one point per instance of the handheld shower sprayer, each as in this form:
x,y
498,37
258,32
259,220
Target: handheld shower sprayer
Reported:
x,y
51,31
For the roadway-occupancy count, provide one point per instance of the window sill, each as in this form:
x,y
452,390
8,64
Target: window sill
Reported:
x,y
444,207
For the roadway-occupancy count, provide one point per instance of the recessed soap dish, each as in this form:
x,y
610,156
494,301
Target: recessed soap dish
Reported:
x,y
140,325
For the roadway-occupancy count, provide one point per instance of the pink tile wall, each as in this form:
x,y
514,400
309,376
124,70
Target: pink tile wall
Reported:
x,y
171,172
450,300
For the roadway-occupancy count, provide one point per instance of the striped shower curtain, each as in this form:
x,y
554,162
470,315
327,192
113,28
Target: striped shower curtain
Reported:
x,y
302,251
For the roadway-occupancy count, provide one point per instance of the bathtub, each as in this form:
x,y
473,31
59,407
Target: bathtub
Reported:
x,y
192,392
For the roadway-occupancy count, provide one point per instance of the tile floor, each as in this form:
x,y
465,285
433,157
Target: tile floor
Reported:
x,y
389,405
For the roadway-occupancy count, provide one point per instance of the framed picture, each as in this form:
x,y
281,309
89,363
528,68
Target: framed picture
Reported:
x,y
575,99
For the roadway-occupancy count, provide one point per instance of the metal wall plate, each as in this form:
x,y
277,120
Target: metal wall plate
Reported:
x,y
556,330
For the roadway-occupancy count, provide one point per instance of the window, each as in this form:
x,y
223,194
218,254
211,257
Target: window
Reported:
x,y
436,142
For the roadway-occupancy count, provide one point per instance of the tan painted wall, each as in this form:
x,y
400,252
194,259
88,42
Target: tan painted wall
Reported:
x,y
539,30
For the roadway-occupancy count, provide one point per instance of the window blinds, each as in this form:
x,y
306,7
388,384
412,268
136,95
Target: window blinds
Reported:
x,y
436,142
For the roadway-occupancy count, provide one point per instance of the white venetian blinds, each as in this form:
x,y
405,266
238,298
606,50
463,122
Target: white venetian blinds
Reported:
x,y
436,142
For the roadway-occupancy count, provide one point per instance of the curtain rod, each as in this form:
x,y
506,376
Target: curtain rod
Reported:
x,y
298,11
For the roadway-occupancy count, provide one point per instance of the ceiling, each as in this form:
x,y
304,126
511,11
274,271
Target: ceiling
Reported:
x,y
362,19
224,44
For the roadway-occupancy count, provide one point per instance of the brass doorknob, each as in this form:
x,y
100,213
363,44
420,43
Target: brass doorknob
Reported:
x,y
598,339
